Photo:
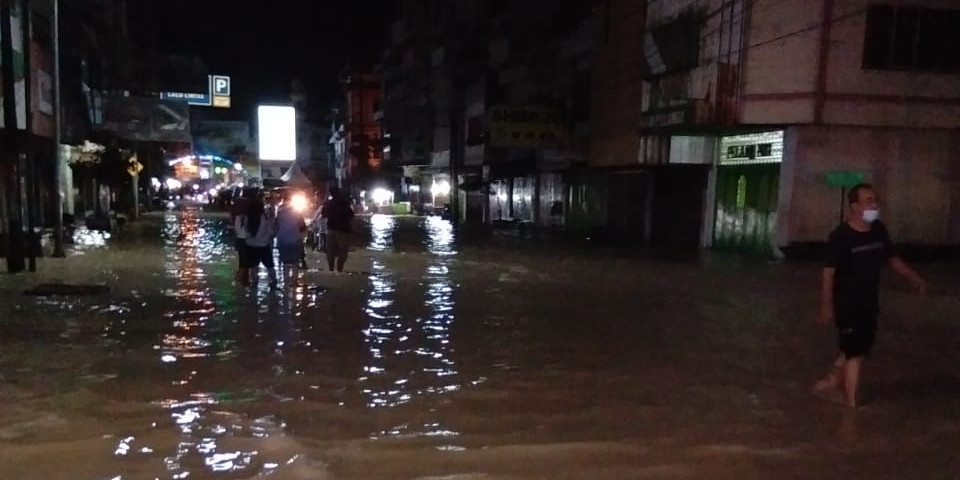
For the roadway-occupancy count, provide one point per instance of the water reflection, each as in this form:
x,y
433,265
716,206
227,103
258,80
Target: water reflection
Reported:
x,y
411,357
440,236
201,323
188,243
382,228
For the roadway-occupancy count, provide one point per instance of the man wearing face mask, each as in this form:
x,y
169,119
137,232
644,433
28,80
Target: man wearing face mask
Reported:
x,y
857,252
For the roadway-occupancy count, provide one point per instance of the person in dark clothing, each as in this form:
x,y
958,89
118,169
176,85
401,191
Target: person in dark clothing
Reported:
x,y
857,252
339,219
238,212
261,226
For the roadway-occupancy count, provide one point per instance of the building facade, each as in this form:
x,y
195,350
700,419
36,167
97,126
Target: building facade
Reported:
x,y
486,105
360,133
784,108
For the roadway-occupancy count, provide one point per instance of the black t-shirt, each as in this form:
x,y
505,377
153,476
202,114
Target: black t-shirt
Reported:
x,y
859,258
339,215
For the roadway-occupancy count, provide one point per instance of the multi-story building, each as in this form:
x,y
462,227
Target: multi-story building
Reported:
x,y
489,100
536,112
92,30
768,110
361,131
417,81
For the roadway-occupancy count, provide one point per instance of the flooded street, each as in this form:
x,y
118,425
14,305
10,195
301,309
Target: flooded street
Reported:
x,y
452,359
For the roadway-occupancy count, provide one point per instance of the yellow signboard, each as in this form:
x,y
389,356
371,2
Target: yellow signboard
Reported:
x,y
221,102
527,127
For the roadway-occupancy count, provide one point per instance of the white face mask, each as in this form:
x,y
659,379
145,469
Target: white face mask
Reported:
x,y
871,216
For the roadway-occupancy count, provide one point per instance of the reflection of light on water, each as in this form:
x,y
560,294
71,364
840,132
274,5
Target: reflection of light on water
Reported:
x,y
207,441
201,441
408,359
90,238
411,359
189,243
440,236
381,232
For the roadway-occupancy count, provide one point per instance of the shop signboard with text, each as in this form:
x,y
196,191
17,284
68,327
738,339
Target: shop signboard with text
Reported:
x,y
527,127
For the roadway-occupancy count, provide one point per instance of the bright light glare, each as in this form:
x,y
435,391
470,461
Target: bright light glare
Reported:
x,y
441,188
213,192
381,196
278,133
174,184
238,167
299,203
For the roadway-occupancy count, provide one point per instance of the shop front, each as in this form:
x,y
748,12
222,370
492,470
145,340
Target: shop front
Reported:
x,y
747,190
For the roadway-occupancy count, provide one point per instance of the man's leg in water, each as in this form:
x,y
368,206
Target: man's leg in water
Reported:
x,y
851,386
834,380
331,259
342,249
293,275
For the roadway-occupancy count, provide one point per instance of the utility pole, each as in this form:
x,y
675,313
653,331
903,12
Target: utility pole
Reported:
x,y
28,155
58,139
457,143
15,258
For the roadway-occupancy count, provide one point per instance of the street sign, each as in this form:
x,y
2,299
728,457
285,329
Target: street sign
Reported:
x,y
217,94
845,179
221,86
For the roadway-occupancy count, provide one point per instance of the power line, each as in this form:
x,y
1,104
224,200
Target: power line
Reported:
x,y
784,36
801,31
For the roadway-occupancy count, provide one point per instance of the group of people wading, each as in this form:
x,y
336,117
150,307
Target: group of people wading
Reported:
x,y
264,224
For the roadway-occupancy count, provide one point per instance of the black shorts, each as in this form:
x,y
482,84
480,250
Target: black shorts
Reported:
x,y
257,256
856,343
856,333
243,252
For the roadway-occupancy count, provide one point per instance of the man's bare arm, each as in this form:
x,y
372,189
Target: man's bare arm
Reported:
x,y
904,270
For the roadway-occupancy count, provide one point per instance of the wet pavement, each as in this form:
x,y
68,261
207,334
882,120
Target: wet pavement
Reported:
x,y
448,358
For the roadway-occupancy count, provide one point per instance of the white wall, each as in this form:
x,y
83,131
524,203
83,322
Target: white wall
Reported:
x,y
914,171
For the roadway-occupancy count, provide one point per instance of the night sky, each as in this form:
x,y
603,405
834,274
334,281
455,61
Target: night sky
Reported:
x,y
264,44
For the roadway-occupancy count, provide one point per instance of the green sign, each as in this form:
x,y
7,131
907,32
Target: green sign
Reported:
x,y
845,179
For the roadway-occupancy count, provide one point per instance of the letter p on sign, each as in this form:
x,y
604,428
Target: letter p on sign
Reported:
x,y
221,86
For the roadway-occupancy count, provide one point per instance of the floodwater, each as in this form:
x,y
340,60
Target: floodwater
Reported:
x,y
444,358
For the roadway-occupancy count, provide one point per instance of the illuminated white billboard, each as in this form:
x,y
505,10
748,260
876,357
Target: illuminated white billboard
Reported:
x,y
277,133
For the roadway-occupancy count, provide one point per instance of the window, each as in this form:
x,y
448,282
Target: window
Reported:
x,y
41,32
675,46
668,91
913,39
